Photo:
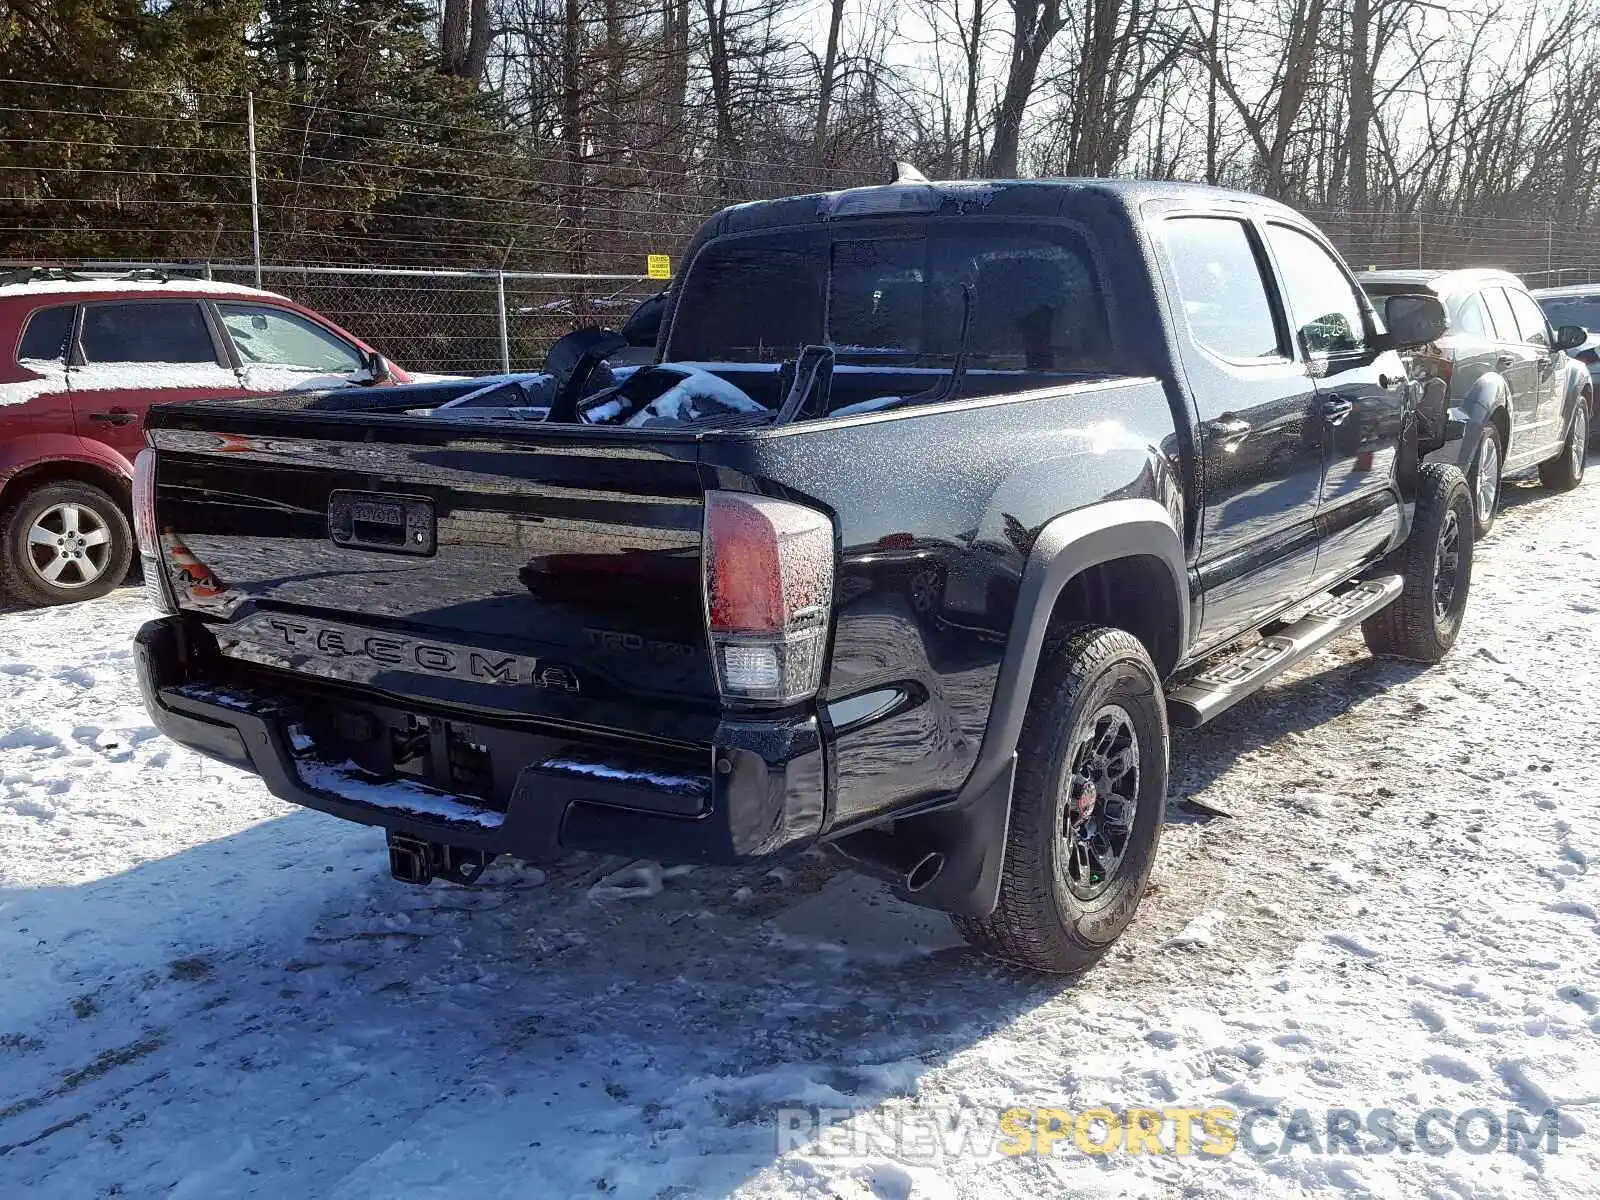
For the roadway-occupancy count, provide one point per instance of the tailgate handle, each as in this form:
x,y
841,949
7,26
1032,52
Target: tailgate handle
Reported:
x,y
382,521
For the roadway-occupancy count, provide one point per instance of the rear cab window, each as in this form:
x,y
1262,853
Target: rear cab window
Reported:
x,y
892,302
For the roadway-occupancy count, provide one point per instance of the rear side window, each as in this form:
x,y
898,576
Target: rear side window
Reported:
x,y
1324,304
151,332
1505,323
45,338
1530,318
1220,287
1471,317
267,335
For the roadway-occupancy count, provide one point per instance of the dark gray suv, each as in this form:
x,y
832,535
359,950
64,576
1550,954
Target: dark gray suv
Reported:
x,y
1516,400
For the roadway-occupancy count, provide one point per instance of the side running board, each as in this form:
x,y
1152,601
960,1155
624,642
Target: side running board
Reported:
x,y
1228,679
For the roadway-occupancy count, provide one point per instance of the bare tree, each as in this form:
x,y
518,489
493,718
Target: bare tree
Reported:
x,y
1035,25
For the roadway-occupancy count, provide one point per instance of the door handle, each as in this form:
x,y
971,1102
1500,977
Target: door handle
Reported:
x,y
1386,381
1228,432
1505,362
117,416
1335,409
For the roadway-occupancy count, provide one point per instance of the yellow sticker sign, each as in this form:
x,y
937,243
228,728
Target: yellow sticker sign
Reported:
x,y
658,266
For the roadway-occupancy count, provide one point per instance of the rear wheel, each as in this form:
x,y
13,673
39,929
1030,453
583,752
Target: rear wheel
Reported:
x,y
1087,809
1436,565
1565,471
1485,480
64,542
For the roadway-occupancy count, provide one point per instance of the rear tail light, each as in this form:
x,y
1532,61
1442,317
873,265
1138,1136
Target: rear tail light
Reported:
x,y
768,594
144,503
144,531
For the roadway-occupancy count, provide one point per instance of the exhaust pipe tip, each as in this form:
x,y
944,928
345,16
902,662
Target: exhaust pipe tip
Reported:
x,y
909,868
923,872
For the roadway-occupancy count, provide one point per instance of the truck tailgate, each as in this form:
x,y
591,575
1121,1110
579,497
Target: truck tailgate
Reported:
x,y
558,579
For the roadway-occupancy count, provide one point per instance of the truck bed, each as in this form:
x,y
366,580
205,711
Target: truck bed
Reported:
x,y
556,593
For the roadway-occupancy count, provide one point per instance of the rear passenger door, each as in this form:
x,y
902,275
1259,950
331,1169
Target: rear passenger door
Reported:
x,y
1361,404
1518,364
1260,452
1471,341
1537,338
131,354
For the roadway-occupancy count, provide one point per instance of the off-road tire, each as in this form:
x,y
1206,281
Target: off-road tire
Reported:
x,y
1039,923
1565,471
1412,627
1483,522
21,581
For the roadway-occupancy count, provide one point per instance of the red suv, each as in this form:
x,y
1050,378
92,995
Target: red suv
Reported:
x,y
81,360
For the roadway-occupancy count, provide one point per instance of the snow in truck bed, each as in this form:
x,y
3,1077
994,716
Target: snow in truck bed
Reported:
x,y
208,992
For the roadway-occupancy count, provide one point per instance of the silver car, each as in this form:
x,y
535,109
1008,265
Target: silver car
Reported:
x,y
1516,400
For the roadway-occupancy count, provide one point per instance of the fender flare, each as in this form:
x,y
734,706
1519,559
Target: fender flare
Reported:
x,y
26,454
1577,381
1066,547
971,831
1489,395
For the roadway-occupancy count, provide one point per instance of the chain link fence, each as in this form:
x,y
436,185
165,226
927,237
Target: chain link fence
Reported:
x,y
455,322
1543,253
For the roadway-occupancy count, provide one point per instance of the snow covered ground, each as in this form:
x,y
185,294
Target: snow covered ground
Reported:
x,y
206,992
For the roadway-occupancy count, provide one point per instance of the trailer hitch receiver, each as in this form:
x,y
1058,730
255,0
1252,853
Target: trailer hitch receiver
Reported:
x,y
413,860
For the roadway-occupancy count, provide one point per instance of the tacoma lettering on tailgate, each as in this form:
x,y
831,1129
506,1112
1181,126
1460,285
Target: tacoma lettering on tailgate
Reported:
x,y
351,653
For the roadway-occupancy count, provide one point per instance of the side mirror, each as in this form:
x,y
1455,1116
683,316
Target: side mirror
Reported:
x,y
376,367
643,326
1570,336
1413,320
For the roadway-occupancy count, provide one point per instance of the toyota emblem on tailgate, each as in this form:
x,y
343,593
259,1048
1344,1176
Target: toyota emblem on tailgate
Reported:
x,y
379,521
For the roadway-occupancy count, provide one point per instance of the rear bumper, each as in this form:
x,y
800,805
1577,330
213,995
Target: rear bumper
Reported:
x,y
760,793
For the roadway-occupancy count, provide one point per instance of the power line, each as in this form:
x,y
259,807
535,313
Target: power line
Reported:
x,y
389,197
523,180
358,112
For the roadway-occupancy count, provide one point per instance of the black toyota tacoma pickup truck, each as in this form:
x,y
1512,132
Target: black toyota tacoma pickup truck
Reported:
x,y
937,504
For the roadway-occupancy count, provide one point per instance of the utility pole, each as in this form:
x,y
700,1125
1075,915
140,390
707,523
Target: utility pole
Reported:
x,y
255,201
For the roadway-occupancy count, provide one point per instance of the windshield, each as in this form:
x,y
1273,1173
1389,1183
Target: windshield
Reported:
x,y
896,298
1573,310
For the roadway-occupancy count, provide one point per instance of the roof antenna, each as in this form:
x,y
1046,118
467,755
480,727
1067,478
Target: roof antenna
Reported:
x,y
904,172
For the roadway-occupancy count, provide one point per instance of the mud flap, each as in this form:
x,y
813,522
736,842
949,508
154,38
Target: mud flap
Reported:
x,y
971,834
